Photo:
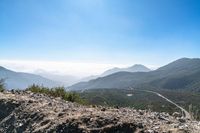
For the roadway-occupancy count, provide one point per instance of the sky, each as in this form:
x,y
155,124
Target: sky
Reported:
x,y
86,37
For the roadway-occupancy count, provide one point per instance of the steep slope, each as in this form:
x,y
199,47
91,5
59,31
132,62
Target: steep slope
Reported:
x,y
181,74
18,80
28,112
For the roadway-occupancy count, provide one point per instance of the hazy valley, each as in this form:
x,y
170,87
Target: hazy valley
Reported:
x,y
178,81
99,66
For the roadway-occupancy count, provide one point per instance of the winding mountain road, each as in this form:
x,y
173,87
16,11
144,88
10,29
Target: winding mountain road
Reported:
x,y
185,112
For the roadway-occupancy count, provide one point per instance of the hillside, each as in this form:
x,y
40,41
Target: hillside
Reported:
x,y
141,99
23,111
18,80
181,74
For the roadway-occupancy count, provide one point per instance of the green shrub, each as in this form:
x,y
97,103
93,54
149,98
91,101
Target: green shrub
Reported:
x,y
2,85
57,92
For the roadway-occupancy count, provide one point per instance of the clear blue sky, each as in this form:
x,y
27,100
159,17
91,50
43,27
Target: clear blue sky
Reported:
x,y
105,31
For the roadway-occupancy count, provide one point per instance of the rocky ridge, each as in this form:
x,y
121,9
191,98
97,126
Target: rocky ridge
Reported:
x,y
24,111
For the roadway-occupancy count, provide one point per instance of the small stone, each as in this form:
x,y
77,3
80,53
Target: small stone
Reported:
x,y
176,114
150,131
103,109
157,127
60,114
140,125
50,104
30,101
182,120
141,112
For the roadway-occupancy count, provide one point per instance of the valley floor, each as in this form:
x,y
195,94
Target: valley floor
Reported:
x,y
156,100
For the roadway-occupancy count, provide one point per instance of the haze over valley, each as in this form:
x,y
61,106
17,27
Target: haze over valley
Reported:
x,y
48,79
99,66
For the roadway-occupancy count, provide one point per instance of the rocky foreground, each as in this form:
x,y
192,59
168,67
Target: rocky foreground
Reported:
x,y
24,112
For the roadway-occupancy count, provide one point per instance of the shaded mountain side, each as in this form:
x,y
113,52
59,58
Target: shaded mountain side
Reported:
x,y
182,64
181,74
18,80
183,82
119,79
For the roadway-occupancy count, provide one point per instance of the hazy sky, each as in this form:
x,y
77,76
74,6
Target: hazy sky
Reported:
x,y
89,36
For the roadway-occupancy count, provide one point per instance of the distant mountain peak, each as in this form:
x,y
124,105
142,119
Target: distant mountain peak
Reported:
x,y
139,65
134,68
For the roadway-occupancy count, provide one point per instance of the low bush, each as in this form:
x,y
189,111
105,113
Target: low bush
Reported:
x,y
57,92
2,85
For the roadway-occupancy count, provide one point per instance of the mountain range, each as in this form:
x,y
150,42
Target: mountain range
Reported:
x,y
134,68
68,80
19,80
182,74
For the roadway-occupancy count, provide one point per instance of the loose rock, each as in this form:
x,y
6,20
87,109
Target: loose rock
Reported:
x,y
23,111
